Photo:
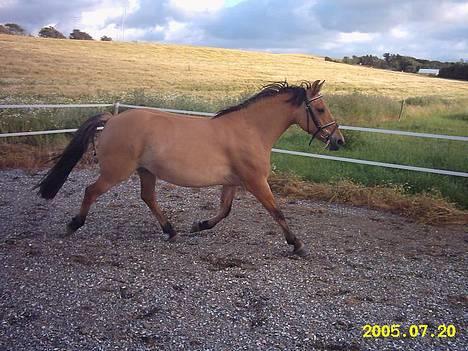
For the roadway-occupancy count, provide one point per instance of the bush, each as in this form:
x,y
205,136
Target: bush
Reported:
x,y
4,30
12,28
456,71
51,32
79,35
329,59
106,38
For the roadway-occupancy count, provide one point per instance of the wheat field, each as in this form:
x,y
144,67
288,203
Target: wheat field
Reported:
x,y
54,68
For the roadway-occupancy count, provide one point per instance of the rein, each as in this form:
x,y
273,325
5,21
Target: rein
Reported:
x,y
320,128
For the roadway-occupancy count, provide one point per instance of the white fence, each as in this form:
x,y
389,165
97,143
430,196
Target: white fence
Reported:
x,y
297,153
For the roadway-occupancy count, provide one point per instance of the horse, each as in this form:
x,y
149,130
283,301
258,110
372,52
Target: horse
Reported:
x,y
231,149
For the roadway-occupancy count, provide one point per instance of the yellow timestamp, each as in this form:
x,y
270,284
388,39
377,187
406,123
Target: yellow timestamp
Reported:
x,y
412,331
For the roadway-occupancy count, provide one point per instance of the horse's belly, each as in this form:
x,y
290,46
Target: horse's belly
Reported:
x,y
194,176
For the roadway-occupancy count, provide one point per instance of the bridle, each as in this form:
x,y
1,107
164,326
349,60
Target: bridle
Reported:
x,y
320,128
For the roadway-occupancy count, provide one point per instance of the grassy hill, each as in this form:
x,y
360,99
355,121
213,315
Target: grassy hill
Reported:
x,y
70,68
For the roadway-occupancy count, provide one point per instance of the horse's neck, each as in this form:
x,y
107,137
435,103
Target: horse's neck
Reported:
x,y
269,119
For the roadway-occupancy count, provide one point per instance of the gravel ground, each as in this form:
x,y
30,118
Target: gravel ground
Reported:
x,y
116,284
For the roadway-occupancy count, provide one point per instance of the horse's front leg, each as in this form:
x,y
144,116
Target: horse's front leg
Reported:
x,y
261,190
227,195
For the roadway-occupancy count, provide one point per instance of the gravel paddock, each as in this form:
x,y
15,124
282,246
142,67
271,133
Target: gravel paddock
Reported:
x,y
117,284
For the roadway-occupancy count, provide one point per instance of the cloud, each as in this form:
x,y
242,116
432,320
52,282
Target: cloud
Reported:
x,y
65,15
425,28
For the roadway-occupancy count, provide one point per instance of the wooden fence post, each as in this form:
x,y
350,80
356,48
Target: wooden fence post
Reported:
x,y
401,109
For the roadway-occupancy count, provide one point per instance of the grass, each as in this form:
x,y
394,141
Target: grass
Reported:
x,y
425,208
383,148
53,69
208,79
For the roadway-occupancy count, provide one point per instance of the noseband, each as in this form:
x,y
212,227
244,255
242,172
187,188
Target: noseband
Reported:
x,y
320,128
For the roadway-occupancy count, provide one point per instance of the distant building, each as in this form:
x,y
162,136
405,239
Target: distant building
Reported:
x,y
429,71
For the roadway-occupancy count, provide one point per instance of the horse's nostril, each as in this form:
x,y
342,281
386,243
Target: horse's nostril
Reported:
x,y
340,142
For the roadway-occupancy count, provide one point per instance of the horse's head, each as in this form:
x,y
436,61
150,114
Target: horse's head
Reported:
x,y
316,119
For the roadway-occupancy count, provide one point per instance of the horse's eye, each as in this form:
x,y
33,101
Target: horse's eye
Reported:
x,y
320,110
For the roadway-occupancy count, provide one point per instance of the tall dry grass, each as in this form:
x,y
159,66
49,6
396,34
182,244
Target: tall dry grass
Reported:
x,y
424,208
71,68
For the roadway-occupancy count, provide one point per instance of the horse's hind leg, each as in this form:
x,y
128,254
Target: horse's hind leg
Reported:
x,y
148,182
91,194
261,190
227,195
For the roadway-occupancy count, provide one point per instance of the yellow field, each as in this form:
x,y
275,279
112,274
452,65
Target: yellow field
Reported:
x,y
71,68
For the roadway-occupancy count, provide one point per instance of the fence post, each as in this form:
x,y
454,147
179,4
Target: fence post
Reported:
x,y
401,109
116,108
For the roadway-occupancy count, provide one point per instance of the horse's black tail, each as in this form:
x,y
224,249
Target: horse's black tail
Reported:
x,y
58,174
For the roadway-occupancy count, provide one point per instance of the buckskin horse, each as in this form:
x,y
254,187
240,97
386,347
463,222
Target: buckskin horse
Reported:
x,y
231,149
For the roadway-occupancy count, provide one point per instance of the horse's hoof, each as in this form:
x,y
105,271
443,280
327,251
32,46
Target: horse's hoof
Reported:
x,y
302,252
74,225
69,230
195,227
299,249
172,238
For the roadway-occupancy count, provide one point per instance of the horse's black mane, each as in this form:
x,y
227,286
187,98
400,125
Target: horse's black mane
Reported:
x,y
298,95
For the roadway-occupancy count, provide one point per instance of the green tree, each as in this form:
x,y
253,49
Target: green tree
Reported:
x,y
51,32
3,30
106,38
79,35
14,29
455,71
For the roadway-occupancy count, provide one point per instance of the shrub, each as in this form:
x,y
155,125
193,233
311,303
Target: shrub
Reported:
x,y
12,28
79,35
51,32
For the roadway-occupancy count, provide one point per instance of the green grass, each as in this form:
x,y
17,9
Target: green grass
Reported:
x,y
426,114
392,149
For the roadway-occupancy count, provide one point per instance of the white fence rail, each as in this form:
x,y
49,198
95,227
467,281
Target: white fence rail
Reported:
x,y
281,151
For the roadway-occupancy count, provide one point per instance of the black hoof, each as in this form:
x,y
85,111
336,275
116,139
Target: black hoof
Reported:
x,y
74,224
199,226
173,238
299,249
195,227
169,230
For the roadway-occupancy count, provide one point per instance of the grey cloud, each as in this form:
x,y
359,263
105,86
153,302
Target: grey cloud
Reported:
x,y
33,14
376,15
149,14
264,19
369,15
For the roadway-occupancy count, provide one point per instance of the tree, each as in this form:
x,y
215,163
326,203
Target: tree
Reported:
x,y
3,30
386,57
79,35
51,32
455,71
106,38
14,29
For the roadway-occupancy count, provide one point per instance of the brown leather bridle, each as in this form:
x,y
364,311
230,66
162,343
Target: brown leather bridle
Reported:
x,y
320,128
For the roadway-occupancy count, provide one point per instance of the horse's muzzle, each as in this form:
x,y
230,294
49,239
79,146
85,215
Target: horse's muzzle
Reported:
x,y
335,142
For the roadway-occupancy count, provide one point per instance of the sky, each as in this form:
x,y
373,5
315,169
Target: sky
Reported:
x,y
421,28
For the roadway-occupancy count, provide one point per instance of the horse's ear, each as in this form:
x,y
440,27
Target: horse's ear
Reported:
x,y
315,88
320,85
